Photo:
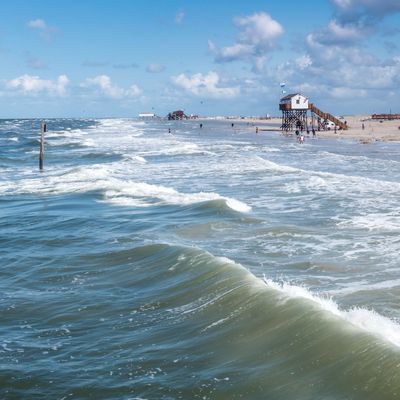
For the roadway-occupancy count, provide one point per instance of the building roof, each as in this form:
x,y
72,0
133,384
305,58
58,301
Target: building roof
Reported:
x,y
146,114
289,96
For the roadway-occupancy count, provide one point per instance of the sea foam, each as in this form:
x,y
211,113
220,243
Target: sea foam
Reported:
x,y
367,320
373,222
115,190
128,194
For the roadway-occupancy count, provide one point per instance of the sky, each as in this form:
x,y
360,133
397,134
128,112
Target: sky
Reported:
x,y
118,58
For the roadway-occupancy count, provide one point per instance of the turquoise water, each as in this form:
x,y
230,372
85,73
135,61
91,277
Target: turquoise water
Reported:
x,y
207,263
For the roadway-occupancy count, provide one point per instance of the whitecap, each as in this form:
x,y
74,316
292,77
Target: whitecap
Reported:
x,y
365,319
124,191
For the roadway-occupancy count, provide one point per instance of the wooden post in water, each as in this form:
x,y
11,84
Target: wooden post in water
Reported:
x,y
43,129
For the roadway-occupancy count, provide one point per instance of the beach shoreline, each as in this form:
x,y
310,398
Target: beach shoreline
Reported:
x,y
374,130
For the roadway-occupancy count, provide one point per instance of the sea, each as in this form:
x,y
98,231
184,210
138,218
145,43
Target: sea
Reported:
x,y
161,260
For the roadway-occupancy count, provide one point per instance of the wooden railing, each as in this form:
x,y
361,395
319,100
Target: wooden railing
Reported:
x,y
327,116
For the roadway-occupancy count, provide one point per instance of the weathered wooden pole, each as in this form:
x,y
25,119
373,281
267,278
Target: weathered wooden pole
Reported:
x,y
43,129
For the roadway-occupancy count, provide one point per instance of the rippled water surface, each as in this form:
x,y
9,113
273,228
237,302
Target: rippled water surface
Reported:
x,y
207,263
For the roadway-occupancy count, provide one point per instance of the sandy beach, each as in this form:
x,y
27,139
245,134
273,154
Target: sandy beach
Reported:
x,y
388,131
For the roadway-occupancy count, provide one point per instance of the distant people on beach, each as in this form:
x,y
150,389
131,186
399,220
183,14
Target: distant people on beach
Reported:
x,y
301,139
313,132
201,125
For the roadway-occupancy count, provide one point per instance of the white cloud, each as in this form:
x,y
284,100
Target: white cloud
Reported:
x,y
28,84
346,93
231,53
385,76
258,34
259,63
133,91
37,24
345,33
337,52
372,8
46,31
338,33
179,17
104,84
155,68
354,20
309,89
205,85
259,30
330,55
303,61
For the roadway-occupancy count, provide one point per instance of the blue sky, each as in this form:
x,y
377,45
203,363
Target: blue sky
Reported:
x,y
118,58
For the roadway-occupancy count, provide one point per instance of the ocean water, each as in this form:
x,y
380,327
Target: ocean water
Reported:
x,y
207,263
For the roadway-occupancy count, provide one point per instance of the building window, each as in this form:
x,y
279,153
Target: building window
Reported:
x,y
298,101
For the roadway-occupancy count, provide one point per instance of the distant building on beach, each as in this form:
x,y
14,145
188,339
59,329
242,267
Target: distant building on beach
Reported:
x,y
177,115
385,116
147,115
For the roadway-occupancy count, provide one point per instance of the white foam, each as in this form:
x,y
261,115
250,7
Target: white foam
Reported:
x,y
374,222
112,122
236,164
135,158
133,190
270,165
225,260
173,148
104,178
358,184
125,201
367,320
270,150
88,142
237,205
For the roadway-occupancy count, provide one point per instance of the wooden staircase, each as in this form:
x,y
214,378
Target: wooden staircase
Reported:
x,y
327,116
